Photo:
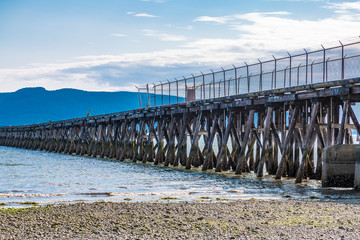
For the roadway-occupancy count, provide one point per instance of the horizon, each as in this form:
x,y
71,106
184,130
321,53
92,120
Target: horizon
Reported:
x,y
52,90
116,45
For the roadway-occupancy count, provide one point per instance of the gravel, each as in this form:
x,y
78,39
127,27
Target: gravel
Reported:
x,y
237,219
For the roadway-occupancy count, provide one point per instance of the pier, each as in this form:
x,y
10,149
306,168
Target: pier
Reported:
x,y
272,117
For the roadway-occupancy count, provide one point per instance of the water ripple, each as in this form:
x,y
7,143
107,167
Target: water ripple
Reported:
x,y
49,177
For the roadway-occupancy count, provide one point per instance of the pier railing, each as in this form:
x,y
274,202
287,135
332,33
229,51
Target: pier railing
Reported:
x,y
337,62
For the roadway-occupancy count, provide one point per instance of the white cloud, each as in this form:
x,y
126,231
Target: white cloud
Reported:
x,y
267,32
220,20
226,19
118,35
145,15
345,6
110,72
348,10
163,36
51,78
259,34
171,38
256,35
186,28
142,15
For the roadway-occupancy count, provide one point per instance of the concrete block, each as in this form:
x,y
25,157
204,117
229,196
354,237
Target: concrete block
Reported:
x,y
338,168
357,170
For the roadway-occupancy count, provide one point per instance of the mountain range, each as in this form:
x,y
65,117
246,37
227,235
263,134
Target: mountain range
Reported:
x,y
38,105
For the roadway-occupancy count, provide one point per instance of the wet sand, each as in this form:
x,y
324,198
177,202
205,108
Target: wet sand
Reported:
x,y
240,219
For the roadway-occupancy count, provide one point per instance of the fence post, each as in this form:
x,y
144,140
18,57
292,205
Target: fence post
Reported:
x,y
250,79
298,75
229,82
193,80
162,93
186,92
177,90
236,87
261,76
323,62
247,76
219,89
274,72
154,94
194,87
185,80
312,71
148,96
327,68
203,77
224,82
306,66
169,92
213,81
239,84
342,61
290,58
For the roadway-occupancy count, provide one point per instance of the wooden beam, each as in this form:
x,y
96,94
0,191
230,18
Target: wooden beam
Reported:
x,y
170,154
276,136
309,132
354,119
345,115
194,151
208,163
222,154
159,157
288,138
181,154
241,159
265,140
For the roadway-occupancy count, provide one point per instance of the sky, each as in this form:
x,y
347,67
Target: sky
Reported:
x,y
115,45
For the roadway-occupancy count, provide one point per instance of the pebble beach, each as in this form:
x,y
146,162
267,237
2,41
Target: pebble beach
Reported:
x,y
235,219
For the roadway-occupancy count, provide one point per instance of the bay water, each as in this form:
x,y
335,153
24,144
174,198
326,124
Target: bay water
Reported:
x,y
43,178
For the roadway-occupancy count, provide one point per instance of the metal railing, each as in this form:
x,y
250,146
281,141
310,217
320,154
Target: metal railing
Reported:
x,y
338,62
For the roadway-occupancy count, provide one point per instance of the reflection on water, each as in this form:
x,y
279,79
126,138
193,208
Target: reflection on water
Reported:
x,y
49,177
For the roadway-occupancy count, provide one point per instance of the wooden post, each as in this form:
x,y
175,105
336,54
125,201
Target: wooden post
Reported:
x,y
288,138
265,140
340,137
159,157
354,119
241,160
258,143
320,147
148,151
181,155
309,132
208,163
222,154
170,154
194,151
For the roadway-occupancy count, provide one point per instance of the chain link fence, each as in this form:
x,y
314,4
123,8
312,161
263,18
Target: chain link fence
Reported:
x,y
338,62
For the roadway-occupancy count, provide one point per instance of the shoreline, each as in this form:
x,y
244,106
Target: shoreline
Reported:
x,y
191,197
235,219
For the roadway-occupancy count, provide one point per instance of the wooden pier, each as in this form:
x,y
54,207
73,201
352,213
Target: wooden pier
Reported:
x,y
266,132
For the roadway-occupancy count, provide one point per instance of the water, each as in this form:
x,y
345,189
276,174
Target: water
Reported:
x,y
44,177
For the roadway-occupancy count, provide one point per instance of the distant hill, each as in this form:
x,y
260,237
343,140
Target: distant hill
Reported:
x,y
38,105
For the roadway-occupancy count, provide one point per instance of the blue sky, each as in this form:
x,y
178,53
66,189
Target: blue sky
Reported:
x,y
113,45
